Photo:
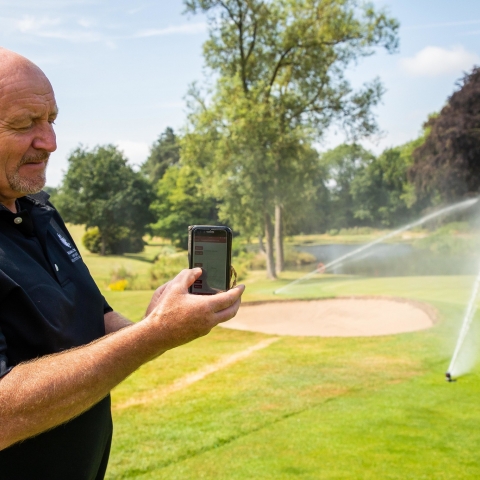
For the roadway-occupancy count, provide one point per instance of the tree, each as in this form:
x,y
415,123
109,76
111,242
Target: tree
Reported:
x,y
447,164
179,203
382,194
280,68
311,214
101,190
164,153
344,164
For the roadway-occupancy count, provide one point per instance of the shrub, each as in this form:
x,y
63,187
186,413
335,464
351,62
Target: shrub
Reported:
x,y
258,262
242,263
451,238
296,258
122,241
118,286
122,279
356,231
92,240
167,267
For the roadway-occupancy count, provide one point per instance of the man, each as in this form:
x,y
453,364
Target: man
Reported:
x,y
62,348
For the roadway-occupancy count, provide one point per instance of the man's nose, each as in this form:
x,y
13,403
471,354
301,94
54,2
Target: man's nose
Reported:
x,y
45,138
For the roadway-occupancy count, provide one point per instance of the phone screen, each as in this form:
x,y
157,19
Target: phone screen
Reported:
x,y
210,253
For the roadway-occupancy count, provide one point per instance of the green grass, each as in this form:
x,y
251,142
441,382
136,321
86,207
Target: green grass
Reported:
x,y
306,408
102,267
309,408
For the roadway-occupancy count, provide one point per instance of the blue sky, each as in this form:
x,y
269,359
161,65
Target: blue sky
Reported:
x,y
121,69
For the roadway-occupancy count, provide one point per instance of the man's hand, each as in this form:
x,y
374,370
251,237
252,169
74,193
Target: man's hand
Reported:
x,y
179,317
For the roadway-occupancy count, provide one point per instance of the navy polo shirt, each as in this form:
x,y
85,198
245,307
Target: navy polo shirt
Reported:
x,y
49,303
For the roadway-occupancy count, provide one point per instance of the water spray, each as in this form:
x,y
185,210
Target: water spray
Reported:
x,y
467,321
426,218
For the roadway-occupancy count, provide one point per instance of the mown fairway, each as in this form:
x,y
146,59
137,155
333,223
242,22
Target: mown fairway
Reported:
x,y
310,408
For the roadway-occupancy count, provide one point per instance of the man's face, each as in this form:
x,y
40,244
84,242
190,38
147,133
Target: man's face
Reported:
x,y
27,113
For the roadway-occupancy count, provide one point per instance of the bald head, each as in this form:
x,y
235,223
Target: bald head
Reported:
x,y
13,65
27,112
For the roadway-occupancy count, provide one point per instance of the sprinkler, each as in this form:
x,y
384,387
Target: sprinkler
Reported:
x,y
448,377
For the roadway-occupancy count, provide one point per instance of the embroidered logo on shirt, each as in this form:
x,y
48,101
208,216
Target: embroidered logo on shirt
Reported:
x,y
72,252
64,241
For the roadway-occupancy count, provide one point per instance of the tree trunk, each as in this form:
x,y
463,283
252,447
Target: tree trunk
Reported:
x,y
279,257
103,246
269,244
261,246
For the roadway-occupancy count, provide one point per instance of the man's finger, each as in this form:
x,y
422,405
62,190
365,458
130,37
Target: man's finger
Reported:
x,y
156,298
224,300
161,289
228,313
186,278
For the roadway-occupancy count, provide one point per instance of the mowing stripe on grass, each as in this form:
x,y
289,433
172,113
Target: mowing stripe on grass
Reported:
x,y
191,378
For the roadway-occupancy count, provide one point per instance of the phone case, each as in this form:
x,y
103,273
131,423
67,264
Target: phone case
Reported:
x,y
228,267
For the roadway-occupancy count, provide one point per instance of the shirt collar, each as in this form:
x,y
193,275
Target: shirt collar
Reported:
x,y
40,198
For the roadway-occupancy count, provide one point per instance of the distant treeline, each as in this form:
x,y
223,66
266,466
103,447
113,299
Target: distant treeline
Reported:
x,y
347,186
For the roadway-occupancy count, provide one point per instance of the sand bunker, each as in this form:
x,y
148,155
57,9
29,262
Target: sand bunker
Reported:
x,y
339,317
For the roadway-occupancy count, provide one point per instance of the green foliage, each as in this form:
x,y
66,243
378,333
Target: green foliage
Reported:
x,y
92,241
119,241
166,268
343,165
181,202
452,238
294,258
355,231
101,190
367,190
382,193
164,153
53,192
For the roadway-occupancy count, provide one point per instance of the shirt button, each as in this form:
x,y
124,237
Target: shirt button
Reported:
x,y
18,220
56,267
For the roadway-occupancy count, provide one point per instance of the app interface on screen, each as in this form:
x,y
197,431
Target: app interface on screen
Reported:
x,y
210,254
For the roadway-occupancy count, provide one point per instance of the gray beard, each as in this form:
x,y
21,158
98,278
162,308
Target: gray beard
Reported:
x,y
31,184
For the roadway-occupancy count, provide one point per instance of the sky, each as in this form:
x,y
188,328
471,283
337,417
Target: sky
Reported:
x,y
121,69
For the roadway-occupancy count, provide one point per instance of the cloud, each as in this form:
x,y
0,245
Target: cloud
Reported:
x,y
86,22
441,25
136,152
46,4
186,29
436,61
54,28
30,24
83,30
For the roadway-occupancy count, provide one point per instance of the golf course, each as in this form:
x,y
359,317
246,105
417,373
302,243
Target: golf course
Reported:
x,y
241,405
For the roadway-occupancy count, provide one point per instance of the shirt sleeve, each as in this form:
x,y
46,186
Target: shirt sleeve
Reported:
x,y
4,368
106,307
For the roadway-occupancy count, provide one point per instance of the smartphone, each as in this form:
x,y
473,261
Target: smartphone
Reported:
x,y
210,248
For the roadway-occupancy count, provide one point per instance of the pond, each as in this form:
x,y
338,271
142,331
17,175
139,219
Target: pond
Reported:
x,y
393,259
